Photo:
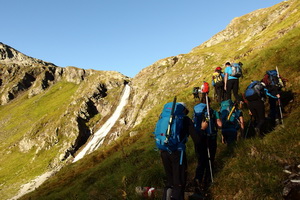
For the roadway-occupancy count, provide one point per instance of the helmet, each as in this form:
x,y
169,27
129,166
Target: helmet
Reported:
x,y
218,69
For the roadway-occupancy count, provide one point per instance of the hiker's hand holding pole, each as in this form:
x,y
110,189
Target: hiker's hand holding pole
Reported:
x,y
278,96
204,125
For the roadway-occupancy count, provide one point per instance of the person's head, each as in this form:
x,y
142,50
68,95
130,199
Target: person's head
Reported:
x,y
218,69
227,64
185,111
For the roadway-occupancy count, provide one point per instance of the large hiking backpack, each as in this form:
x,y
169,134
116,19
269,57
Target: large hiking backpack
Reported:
x,y
201,114
271,79
218,79
172,142
254,91
205,87
225,110
236,69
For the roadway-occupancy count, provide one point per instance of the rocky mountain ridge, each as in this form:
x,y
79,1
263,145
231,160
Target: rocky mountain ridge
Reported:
x,y
28,78
11,55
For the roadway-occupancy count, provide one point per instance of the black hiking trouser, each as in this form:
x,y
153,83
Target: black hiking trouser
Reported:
x,y
176,173
203,169
274,109
257,109
232,84
220,93
230,136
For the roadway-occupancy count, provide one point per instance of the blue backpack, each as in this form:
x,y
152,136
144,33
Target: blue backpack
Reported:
x,y
254,91
201,114
236,70
273,78
225,110
172,142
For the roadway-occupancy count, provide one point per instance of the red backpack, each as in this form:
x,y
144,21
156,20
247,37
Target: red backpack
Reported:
x,y
205,87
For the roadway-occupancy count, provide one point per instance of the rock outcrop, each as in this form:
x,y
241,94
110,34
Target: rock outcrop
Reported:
x,y
23,75
10,55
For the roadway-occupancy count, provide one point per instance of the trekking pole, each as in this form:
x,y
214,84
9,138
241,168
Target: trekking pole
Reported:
x,y
249,123
279,78
170,120
281,116
210,129
279,103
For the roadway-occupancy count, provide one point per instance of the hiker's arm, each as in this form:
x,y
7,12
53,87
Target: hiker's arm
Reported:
x,y
241,118
218,120
219,123
268,94
225,80
192,132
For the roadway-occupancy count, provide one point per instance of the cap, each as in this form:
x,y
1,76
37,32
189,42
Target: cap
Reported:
x,y
218,69
184,105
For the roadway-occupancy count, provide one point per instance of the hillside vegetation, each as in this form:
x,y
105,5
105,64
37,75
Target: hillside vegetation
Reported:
x,y
39,131
253,169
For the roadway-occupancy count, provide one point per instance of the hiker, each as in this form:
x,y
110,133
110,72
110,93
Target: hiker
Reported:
x,y
255,95
232,121
205,139
172,147
231,80
274,83
218,83
195,92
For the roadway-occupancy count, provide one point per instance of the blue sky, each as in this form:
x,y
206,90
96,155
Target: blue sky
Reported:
x,y
118,35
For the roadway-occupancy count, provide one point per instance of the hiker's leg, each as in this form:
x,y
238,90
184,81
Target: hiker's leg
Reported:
x,y
201,164
219,93
260,115
212,142
231,137
228,89
179,172
167,163
235,89
272,113
254,111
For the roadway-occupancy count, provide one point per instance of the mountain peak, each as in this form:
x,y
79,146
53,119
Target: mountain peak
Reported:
x,y
11,55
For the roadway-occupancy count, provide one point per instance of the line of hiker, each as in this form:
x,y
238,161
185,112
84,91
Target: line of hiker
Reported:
x,y
174,126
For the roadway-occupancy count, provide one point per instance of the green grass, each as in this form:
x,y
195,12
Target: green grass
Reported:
x,y
255,170
30,118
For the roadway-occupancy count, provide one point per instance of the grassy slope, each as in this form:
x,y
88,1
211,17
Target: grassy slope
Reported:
x,y
254,169
115,171
23,116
